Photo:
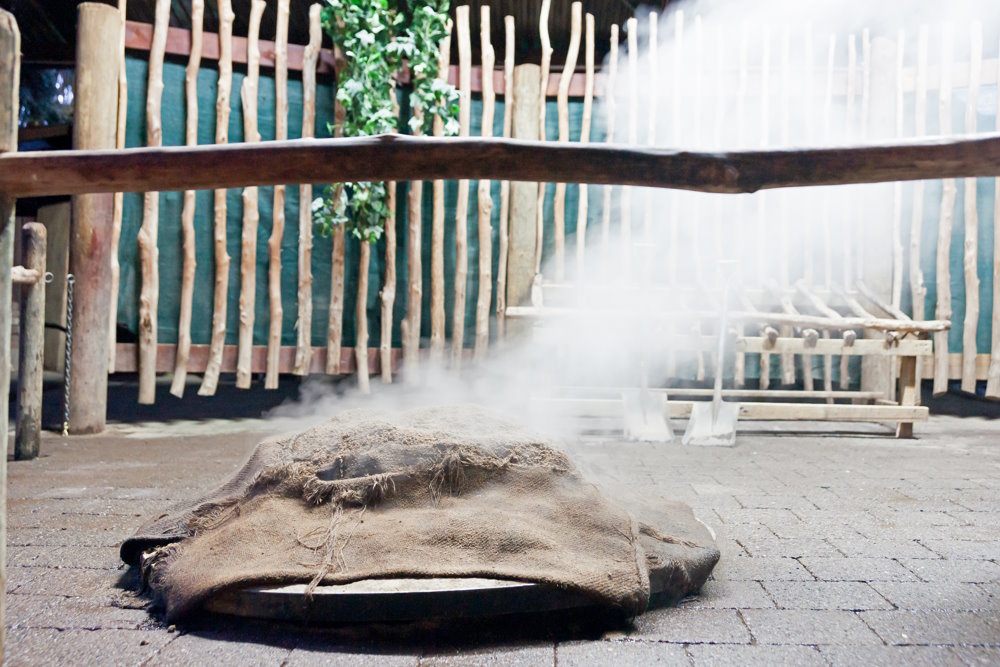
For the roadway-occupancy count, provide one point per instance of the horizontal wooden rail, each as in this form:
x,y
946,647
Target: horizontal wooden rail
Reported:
x,y
406,158
20,275
760,317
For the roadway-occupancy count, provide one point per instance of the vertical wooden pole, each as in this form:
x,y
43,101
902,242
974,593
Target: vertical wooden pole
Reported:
x,y
585,122
361,318
251,214
220,298
29,368
632,40
523,196
278,218
652,115
10,74
116,218
908,392
410,326
831,59
485,201
462,205
971,247
543,31
508,124
673,246
740,358
897,190
993,374
562,103
97,63
918,291
188,210
149,254
948,194
335,329
847,236
388,291
609,101
310,58
437,229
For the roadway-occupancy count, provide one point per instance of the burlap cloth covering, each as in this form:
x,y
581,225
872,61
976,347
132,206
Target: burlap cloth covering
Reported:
x,y
452,491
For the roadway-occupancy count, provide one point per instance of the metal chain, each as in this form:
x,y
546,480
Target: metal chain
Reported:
x,y
68,364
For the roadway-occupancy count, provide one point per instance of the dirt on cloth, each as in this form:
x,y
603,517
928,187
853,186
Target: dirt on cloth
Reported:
x,y
454,491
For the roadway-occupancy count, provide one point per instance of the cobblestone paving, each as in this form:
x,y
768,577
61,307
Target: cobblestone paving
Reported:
x,y
836,549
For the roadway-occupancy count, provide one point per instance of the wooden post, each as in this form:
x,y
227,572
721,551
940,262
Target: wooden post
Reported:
x,y
388,292
632,40
585,122
149,254
908,392
211,378
523,195
897,188
993,374
562,102
56,219
875,239
437,228
116,218
10,74
251,214
361,318
29,368
97,63
462,204
310,58
543,87
485,200
508,121
187,212
278,218
948,194
609,101
918,291
971,249
335,329
652,115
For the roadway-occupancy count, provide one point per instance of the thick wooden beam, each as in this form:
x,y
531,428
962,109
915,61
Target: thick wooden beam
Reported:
x,y
407,158
28,433
95,112
10,75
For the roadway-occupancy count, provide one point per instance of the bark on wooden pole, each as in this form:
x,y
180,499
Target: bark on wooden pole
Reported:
x,y
562,105
211,378
10,73
437,228
116,218
335,328
462,204
948,194
485,227
582,208
251,214
149,255
278,219
971,246
188,210
28,430
543,32
508,124
310,59
97,63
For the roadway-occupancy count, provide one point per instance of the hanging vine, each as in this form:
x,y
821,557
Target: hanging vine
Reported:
x,y
377,37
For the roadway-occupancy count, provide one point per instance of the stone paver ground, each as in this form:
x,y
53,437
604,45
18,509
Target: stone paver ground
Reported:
x,y
836,549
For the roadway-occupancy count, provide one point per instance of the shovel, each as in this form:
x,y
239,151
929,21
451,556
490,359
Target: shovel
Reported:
x,y
714,424
646,413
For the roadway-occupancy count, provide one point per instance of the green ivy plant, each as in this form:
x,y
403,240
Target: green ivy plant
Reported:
x,y
377,37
